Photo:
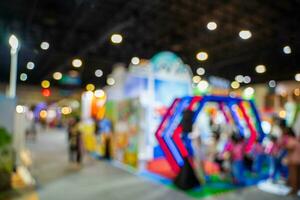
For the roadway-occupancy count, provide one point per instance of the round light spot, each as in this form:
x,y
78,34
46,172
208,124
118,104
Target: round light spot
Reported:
x,y
239,78
245,34
110,81
43,114
235,85
260,69
272,83
297,92
116,38
23,77
200,71
45,84
98,73
249,92
287,49
202,56
45,45
211,26
135,60
57,76
282,114
77,63
247,79
90,87
66,110
203,85
297,77
30,65
196,79
20,109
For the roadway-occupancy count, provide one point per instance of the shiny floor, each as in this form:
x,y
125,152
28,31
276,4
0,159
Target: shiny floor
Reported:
x,y
57,179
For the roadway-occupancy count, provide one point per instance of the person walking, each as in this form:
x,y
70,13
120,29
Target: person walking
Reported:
x,y
293,161
75,142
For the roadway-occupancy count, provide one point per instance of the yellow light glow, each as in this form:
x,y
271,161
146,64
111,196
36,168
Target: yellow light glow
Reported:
x,y
43,114
196,79
245,34
260,69
66,110
57,75
90,87
282,114
297,92
235,85
77,63
116,38
202,56
45,84
211,26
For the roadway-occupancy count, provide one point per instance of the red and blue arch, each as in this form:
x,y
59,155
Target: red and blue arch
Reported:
x,y
169,130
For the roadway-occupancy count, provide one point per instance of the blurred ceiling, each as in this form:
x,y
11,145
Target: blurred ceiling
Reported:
x,y
82,29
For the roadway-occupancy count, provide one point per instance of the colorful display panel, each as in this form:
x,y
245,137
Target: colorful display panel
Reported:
x,y
168,132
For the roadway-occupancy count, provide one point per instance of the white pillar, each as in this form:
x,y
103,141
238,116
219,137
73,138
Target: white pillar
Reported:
x,y
13,73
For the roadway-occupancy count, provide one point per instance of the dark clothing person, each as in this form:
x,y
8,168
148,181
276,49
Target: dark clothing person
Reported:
x,y
187,121
75,151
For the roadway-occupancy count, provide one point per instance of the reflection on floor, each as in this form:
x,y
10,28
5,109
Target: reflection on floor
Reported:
x,y
101,180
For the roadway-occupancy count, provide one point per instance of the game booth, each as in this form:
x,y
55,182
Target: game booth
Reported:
x,y
146,109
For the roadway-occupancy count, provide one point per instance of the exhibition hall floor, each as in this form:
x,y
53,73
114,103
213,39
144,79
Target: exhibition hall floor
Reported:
x,y
56,179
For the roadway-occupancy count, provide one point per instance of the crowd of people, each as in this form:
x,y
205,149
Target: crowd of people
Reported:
x,y
276,157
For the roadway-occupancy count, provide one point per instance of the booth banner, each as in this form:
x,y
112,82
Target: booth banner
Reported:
x,y
126,130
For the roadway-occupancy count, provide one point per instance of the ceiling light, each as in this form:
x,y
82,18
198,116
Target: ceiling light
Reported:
x,y
211,26
247,79
30,65
57,75
245,34
23,77
202,56
98,73
135,60
272,83
297,77
235,85
196,79
45,84
239,78
76,63
200,71
260,69
287,50
90,87
45,45
110,81
116,38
